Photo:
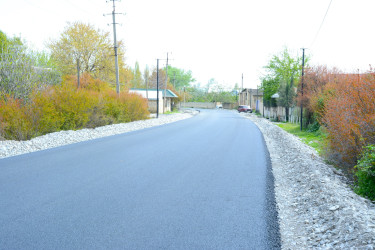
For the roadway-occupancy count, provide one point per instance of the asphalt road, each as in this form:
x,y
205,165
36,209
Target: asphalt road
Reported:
x,y
200,183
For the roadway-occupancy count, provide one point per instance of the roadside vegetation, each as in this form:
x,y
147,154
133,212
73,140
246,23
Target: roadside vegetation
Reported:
x,y
316,139
40,91
65,107
339,114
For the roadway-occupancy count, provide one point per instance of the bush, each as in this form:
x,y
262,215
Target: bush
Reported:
x,y
313,127
74,106
366,173
14,122
43,114
67,108
350,118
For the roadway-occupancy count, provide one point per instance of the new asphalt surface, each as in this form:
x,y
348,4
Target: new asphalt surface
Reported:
x,y
200,183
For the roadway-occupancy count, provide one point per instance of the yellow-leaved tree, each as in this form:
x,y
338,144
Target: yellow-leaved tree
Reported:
x,y
90,48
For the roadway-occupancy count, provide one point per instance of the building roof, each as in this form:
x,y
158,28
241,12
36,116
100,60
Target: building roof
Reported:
x,y
152,93
253,91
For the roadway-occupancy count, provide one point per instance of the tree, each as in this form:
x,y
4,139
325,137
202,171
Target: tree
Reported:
x,y
23,71
270,87
137,81
212,92
146,76
283,74
6,41
153,79
91,48
179,77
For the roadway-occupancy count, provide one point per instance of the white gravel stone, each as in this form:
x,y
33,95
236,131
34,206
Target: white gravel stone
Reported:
x,y
12,148
317,209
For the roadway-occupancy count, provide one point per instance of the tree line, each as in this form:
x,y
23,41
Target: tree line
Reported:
x,y
39,90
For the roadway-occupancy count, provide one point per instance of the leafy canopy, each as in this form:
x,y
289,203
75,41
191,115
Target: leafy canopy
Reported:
x,y
180,78
92,48
283,74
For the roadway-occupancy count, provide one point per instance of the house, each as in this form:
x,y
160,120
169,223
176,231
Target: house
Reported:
x,y
165,99
252,98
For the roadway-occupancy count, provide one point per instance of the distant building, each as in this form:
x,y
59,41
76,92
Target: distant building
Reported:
x,y
252,98
165,99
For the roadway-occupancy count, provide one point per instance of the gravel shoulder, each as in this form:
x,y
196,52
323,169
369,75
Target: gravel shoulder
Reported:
x,y
11,148
317,210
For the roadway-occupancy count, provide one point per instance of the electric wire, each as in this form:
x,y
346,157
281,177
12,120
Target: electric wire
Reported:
x,y
321,25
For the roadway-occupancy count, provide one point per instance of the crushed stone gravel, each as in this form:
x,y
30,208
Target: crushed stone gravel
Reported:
x,y
317,209
11,148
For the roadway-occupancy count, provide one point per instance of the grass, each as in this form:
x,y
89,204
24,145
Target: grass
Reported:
x,y
172,112
316,139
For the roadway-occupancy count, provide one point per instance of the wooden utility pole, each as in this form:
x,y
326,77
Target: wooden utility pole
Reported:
x,y
157,88
303,68
165,89
115,45
241,89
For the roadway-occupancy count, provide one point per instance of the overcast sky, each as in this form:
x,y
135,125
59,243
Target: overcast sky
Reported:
x,y
218,39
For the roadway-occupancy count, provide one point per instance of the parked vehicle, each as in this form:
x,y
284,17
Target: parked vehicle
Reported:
x,y
244,108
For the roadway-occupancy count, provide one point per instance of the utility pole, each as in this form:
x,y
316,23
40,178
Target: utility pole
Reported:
x,y
146,79
257,103
241,89
115,45
174,80
184,97
165,90
263,102
157,88
303,68
242,82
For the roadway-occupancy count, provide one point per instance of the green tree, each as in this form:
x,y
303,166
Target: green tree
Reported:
x,y
212,92
3,41
137,81
283,75
23,71
146,77
270,87
6,41
180,78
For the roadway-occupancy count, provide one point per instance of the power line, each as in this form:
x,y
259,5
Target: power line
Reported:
x,y
81,9
317,33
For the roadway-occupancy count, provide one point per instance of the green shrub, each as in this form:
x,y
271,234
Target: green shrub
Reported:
x,y
366,173
313,127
